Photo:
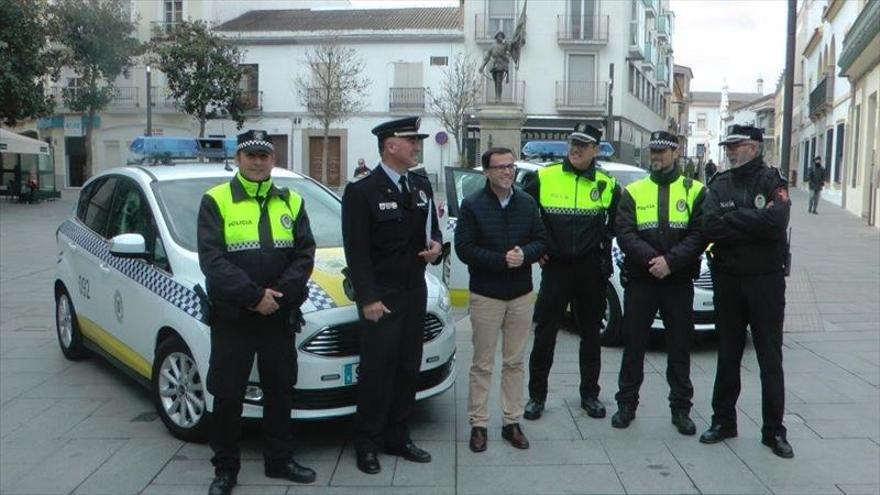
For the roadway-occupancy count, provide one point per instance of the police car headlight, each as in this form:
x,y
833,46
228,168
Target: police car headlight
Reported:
x,y
444,301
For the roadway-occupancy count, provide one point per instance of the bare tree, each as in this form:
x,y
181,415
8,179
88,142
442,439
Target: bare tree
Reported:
x,y
456,97
332,88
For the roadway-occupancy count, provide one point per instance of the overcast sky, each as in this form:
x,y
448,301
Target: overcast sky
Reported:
x,y
740,40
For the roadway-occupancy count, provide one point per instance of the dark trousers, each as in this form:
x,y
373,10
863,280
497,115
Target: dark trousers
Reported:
x,y
757,301
388,376
581,284
233,345
815,194
675,301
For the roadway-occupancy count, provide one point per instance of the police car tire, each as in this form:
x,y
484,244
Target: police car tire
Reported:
x,y
611,334
75,351
197,433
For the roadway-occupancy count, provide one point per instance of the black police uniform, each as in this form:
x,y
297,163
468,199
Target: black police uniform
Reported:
x,y
680,244
235,282
383,230
579,253
748,256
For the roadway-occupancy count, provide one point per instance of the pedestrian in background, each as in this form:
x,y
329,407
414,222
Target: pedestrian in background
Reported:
x,y
658,227
361,169
578,201
816,180
384,218
709,170
745,216
257,252
499,234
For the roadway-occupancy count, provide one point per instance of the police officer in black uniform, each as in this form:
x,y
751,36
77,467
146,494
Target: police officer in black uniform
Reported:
x,y
659,224
746,214
384,219
257,252
578,202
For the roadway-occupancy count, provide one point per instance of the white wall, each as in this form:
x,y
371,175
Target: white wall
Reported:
x,y
710,136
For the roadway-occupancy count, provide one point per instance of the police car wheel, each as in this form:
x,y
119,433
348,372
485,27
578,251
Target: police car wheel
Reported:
x,y
179,391
69,337
612,320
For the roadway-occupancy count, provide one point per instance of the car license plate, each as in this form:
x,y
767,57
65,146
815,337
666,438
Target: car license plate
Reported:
x,y
350,373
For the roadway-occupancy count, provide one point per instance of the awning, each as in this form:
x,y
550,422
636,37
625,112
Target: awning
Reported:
x,y
11,142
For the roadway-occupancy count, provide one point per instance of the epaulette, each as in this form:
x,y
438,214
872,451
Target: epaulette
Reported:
x,y
355,180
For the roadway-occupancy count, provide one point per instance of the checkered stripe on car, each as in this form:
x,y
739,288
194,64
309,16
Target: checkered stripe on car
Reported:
x,y
618,256
450,223
144,274
319,298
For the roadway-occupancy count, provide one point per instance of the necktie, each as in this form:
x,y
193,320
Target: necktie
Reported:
x,y
404,190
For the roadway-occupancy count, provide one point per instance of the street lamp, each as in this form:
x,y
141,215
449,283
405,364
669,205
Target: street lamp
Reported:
x,y
149,106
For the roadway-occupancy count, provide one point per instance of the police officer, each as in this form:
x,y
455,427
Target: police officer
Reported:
x,y
746,214
257,251
578,201
659,230
384,220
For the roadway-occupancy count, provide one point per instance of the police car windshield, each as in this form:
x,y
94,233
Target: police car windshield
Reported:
x,y
179,201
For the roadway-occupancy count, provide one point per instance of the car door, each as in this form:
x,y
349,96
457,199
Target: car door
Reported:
x,y
137,307
460,182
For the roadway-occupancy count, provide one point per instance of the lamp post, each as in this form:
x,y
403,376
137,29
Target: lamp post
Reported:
x,y
149,106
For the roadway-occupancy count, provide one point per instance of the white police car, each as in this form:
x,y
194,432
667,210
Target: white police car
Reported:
x,y
460,182
129,288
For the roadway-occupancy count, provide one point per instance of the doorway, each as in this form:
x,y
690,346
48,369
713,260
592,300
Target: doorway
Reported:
x,y
332,176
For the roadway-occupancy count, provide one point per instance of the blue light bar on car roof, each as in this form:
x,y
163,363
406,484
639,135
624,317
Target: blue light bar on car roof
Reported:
x,y
558,149
163,149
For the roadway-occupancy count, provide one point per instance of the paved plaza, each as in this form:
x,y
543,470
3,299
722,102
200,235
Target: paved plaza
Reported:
x,y
86,428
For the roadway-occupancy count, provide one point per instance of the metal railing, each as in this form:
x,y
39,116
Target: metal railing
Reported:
x,y
649,55
663,26
162,29
125,97
582,29
513,93
161,97
581,95
821,97
406,99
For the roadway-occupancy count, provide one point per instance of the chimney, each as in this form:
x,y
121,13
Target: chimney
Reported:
x,y
760,86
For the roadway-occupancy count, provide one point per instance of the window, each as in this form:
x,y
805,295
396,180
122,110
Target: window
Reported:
x,y
501,17
250,85
98,209
131,215
439,60
701,121
855,147
173,11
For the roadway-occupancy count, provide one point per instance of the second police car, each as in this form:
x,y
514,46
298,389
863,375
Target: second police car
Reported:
x,y
129,288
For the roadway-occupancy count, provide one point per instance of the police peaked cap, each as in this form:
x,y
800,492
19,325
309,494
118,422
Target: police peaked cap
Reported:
x,y
585,133
405,127
254,141
742,133
661,140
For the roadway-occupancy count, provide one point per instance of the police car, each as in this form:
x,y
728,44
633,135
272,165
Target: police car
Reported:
x,y
461,182
129,288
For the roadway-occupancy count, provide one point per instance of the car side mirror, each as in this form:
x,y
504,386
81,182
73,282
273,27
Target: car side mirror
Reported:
x,y
128,246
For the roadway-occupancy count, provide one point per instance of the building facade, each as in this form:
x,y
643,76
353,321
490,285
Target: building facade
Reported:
x,y
708,115
681,104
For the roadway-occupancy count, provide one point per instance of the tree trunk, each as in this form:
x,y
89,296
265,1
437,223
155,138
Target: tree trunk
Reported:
x,y
202,121
88,143
325,152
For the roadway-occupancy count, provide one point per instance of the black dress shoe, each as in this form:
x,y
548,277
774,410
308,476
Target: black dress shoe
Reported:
x,y
222,484
779,445
410,452
478,439
594,408
623,417
683,423
368,462
513,434
717,433
533,410
292,471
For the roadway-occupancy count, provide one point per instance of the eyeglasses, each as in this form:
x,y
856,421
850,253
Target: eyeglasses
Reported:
x,y
509,167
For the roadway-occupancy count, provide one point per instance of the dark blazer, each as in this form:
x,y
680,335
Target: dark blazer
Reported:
x,y
485,232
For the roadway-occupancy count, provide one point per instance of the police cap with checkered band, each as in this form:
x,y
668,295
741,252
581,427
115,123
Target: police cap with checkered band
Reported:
x,y
661,140
254,141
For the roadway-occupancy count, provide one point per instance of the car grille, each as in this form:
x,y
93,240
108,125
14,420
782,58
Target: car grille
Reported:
x,y
705,281
332,398
344,340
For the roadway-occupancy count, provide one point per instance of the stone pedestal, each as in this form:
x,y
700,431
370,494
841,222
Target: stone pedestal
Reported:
x,y
501,125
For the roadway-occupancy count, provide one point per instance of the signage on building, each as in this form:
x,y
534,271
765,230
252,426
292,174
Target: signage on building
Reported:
x,y
73,126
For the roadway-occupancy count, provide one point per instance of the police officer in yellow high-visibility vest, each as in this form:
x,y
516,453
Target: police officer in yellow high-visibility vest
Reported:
x,y
658,228
257,252
578,201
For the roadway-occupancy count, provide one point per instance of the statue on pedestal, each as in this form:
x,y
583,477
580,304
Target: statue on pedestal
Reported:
x,y
500,54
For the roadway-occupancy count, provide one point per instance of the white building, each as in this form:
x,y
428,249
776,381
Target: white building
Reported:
x,y
565,66
707,118
760,113
405,52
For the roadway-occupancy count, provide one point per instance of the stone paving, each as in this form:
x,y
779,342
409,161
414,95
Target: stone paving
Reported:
x,y
86,428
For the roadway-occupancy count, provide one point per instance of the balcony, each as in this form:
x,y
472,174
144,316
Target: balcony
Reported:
x,y
253,100
485,28
406,99
664,30
634,51
651,7
662,75
582,96
122,98
858,40
821,98
582,30
513,93
649,56
161,98
161,30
